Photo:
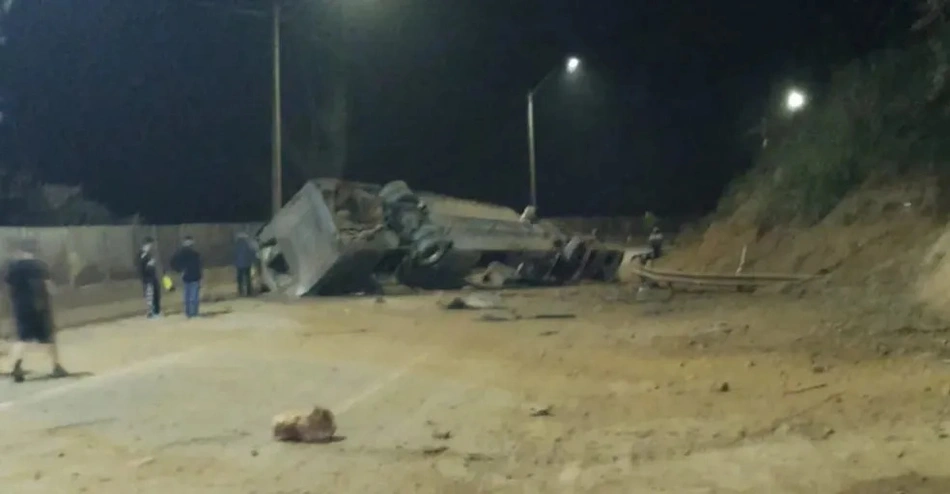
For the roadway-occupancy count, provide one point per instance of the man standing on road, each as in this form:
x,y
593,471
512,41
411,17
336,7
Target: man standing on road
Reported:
x,y
187,262
29,285
245,256
656,243
148,271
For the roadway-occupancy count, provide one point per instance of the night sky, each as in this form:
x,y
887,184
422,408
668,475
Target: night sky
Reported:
x,y
163,107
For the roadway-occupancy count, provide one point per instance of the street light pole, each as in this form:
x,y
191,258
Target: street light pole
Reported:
x,y
571,66
277,193
531,156
277,196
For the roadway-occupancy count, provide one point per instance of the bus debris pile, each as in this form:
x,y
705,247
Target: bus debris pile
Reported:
x,y
338,237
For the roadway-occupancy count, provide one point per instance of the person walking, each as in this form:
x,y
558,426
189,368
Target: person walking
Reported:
x,y
187,263
245,256
148,272
29,287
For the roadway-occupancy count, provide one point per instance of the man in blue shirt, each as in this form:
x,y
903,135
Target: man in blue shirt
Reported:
x,y
187,262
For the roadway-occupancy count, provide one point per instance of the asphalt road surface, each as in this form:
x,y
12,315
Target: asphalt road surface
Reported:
x,y
429,400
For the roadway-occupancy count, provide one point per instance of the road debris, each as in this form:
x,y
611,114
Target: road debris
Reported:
x,y
496,275
503,316
476,457
442,435
474,301
434,450
805,389
497,317
317,426
141,462
721,387
720,327
541,411
554,316
828,432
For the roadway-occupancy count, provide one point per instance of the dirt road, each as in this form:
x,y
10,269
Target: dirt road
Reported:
x,y
700,394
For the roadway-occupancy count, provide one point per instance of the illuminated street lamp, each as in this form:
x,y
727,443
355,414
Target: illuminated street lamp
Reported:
x,y
795,100
572,65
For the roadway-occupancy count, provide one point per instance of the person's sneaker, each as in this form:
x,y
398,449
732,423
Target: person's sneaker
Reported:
x,y
17,372
59,371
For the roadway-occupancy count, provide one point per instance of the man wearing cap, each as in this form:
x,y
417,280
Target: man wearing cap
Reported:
x,y
187,262
148,272
29,285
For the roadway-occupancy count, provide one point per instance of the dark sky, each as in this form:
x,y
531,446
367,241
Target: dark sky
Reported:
x,y
163,107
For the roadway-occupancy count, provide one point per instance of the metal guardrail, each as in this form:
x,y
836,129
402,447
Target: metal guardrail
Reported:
x,y
718,280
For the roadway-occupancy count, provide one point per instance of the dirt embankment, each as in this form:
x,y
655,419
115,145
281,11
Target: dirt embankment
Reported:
x,y
886,245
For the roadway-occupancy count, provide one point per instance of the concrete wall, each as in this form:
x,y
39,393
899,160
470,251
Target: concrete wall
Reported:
x,y
88,255
94,267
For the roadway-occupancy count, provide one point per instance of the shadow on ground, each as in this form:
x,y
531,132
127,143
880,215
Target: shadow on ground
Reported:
x,y
32,377
215,313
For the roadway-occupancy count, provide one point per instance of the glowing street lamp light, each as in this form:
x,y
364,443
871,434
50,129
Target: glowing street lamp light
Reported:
x,y
795,100
572,65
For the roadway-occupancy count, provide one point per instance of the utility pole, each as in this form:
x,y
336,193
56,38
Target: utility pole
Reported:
x,y
277,194
532,170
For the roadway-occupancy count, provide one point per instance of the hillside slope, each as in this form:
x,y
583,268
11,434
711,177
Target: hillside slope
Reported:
x,y
864,234
884,242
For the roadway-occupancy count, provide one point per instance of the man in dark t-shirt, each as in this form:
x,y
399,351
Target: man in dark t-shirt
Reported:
x,y
29,286
148,272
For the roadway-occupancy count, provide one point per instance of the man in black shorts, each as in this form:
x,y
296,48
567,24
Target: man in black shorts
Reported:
x,y
29,285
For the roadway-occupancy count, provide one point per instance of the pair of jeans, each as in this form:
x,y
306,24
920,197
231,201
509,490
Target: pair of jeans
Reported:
x,y
244,282
153,297
192,294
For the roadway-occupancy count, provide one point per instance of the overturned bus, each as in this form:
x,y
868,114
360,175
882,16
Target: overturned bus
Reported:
x,y
337,237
